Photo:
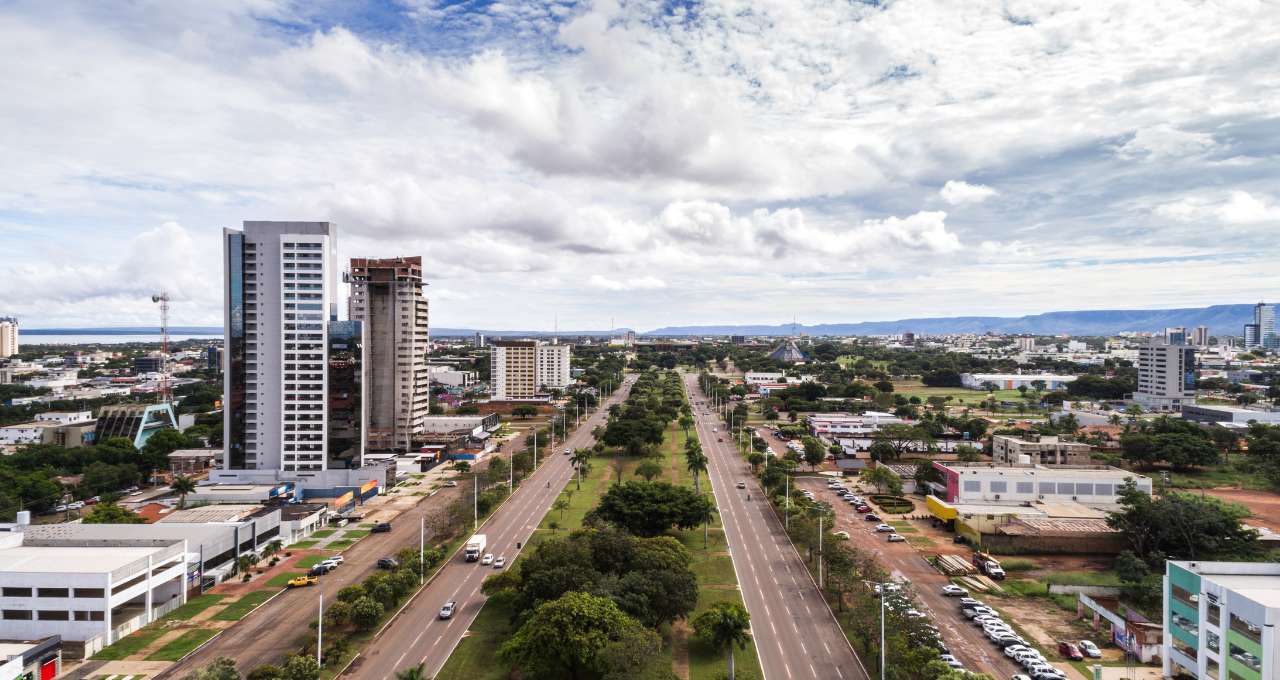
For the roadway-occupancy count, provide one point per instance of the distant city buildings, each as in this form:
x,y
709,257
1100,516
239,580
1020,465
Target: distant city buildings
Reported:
x,y
387,298
1200,337
1166,375
1012,381
1025,344
523,369
8,336
1038,449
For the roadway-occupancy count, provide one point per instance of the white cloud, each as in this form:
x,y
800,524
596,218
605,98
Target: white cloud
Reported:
x,y
1162,142
1236,208
637,283
959,192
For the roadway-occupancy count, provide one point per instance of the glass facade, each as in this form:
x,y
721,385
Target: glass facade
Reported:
x,y
346,400
234,409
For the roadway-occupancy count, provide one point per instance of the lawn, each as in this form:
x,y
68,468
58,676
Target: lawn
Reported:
x,y
706,663
355,534
183,645
323,533
310,561
903,526
130,645
193,606
475,656
1233,473
303,545
282,580
340,544
240,608
959,395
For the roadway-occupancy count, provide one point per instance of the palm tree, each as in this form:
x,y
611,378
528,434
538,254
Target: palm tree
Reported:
x,y
1114,419
560,506
412,673
581,459
696,462
724,626
182,485
686,422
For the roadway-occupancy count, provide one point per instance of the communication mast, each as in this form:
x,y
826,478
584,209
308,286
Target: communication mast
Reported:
x,y
166,391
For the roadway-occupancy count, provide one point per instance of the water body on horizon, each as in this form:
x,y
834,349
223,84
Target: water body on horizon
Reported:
x,y
107,339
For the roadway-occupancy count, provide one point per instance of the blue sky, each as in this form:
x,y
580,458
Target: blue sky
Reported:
x,y
654,162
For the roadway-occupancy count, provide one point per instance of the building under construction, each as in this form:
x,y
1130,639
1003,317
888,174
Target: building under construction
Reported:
x,y
387,298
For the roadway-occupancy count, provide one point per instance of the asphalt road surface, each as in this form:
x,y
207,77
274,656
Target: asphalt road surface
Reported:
x,y
418,636
795,634
965,640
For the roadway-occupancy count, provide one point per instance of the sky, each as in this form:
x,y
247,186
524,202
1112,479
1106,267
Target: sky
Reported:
x,y
648,162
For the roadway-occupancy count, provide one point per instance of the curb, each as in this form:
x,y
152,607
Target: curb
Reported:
x,y
218,634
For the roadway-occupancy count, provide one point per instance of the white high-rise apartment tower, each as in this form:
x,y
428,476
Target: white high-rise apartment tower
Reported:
x,y
386,297
8,336
1166,375
279,291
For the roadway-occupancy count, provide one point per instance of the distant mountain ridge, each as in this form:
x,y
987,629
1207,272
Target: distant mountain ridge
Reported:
x,y
1221,320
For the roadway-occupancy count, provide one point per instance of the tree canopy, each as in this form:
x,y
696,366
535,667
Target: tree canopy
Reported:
x,y
651,508
1182,526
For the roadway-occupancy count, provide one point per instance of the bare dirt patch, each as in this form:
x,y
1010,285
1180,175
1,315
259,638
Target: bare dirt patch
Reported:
x,y
1264,505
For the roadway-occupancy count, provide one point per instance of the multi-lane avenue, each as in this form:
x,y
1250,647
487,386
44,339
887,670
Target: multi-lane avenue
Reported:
x,y
795,634
417,636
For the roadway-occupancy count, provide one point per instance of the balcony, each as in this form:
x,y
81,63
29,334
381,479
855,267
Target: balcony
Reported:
x,y
1246,629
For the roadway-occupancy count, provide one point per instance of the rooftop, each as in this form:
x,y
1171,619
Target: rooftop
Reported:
x,y
206,514
69,560
1263,589
196,453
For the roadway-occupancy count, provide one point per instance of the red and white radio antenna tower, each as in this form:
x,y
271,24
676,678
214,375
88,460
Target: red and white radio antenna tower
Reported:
x,y
166,392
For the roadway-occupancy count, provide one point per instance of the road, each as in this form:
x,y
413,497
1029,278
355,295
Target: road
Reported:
x,y
795,634
418,636
902,561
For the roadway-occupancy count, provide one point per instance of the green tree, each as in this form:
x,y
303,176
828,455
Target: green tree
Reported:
x,y
560,506
524,411
651,508
182,485
648,469
266,671
884,480
110,513
756,459
412,673
814,453
1182,526
581,460
686,422
365,613
967,454
565,638
723,627
301,667
696,462
222,668
882,451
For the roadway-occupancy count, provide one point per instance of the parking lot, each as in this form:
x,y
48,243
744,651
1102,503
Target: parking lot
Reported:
x,y
966,641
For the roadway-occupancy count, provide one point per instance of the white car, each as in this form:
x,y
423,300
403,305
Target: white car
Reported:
x,y
1013,650
1090,650
335,558
883,528
951,661
954,591
841,534
896,538
487,559
500,562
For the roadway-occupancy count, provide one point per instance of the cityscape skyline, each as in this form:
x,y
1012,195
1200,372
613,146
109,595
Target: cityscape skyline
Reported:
x,y
689,165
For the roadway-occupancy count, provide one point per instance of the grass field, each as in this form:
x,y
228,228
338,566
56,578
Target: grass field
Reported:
x,y
240,608
130,645
323,533
303,545
282,580
959,395
356,534
183,645
194,606
340,544
310,561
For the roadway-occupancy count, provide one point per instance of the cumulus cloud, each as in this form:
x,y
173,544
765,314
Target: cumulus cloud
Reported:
x,y
523,144
959,192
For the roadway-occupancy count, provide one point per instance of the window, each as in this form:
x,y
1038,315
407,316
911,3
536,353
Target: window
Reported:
x,y
1084,489
1026,487
1104,489
1046,488
53,592
972,486
1066,489
16,592
53,615
1246,629
88,616
999,487
17,615
90,592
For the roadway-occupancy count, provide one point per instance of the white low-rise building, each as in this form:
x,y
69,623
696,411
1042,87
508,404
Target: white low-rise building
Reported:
x,y
1012,381
762,377
91,593
1094,485
850,424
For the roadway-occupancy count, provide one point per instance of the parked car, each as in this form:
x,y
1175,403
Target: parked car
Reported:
x,y
1089,649
951,590
319,570
896,538
951,661
302,581
1051,674
1013,650
500,562
1070,651
871,517
742,485
883,528
329,564
388,563
451,483
446,612
487,559
381,528
1020,677
841,534
863,508
970,602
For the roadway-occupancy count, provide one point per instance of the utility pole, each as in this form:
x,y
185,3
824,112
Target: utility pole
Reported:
x,y
475,484
320,631
535,450
884,592
788,505
820,518
422,550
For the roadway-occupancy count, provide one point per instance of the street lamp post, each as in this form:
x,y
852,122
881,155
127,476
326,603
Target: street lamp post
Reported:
x,y
820,518
422,550
475,484
884,592
320,631
787,512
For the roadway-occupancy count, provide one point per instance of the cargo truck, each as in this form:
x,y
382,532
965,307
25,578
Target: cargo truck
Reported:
x,y
475,547
988,565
